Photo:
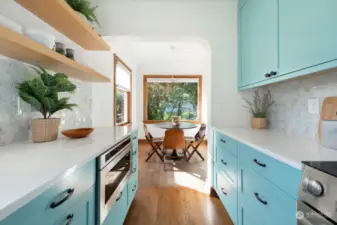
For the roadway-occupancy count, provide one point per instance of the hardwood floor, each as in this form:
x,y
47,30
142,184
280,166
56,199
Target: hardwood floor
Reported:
x,y
174,194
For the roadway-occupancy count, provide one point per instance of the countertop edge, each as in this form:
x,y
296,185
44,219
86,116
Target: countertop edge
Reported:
x,y
268,152
24,200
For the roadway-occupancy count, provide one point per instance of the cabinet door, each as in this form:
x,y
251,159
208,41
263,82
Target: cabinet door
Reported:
x,y
308,34
258,40
82,213
132,188
118,211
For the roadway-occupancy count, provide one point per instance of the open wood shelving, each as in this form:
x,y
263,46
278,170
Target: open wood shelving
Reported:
x,y
58,14
17,46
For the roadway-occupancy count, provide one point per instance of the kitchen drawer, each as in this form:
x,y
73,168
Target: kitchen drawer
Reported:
x,y
226,142
82,212
246,218
261,197
42,208
284,176
119,210
132,188
228,163
227,194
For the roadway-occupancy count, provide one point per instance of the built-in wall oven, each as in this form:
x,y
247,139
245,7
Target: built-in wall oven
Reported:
x,y
317,203
114,169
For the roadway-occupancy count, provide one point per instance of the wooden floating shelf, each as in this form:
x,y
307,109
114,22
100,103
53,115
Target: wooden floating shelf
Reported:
x,y
58,14
17,46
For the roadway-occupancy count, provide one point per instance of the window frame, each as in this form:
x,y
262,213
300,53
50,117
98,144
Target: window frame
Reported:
x,y
129,93
145,100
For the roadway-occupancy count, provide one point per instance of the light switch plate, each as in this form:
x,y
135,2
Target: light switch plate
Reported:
x,y
313,106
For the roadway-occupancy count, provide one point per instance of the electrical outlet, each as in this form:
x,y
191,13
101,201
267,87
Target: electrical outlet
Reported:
x,y
313,106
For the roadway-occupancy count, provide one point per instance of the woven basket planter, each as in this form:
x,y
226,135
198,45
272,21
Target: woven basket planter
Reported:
x,y
44,130
259,123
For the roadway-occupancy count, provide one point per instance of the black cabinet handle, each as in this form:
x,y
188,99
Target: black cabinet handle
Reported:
x,y
267,75
134,187
134,152
259,198
134,138
70,192
134,170
258,163
223,191
119,197
70,218
273,73
223,162
222,140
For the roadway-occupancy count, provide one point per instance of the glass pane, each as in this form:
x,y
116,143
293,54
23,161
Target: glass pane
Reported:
x,y
172,99
121,106
123,77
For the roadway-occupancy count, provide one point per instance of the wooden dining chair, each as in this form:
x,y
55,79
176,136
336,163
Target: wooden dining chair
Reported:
x,y
174,139
155,144
195,142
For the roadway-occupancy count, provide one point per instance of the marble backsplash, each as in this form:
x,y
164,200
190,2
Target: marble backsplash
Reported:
x,y
15,115
290,113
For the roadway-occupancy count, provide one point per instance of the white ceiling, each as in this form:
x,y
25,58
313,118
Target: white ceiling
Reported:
x,y
146,51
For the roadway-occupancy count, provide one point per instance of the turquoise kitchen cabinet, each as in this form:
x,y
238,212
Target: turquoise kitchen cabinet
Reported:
x,y
308,34
82,213
254,188
119,210
258,31
53,203
132,189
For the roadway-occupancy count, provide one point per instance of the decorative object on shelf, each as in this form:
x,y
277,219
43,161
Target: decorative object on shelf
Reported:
x,y
6,22
40,37
77,133
41,93
328,113
259,108
175,120
84,7
59,48
70,53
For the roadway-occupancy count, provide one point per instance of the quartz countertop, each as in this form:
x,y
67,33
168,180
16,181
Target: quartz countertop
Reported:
x,y
288,149
28,169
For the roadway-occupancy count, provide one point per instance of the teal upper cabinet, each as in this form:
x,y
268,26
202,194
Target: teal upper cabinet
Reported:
x,y
308,34
258,40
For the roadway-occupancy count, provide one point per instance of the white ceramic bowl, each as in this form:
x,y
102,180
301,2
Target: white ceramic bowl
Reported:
x,y
40,37
6,22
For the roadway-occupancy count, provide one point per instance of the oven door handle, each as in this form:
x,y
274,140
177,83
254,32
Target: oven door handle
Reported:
x,y
114,162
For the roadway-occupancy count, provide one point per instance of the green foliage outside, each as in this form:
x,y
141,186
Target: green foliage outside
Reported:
x,y
42,92
172,99
84,7
119,107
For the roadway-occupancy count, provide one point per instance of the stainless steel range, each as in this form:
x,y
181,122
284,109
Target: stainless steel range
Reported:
x,y
317,204
114,169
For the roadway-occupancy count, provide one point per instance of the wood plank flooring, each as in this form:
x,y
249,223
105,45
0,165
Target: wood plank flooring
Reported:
x,y
174,195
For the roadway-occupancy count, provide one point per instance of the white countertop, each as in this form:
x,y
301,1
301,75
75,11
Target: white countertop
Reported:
x,y
288,149
28,169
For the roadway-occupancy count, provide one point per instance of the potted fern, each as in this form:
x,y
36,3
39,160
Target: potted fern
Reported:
x,y
41,93
84,8
259,108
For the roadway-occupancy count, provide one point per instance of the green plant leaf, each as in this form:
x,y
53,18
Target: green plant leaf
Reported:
x,y
31,100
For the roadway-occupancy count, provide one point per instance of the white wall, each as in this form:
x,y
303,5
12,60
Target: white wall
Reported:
x,y
181,67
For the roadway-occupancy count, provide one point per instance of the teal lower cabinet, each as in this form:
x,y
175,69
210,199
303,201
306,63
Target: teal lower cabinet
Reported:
x,y
254,188
119,210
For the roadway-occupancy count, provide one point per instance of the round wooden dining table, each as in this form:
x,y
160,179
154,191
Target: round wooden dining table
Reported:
x,y
182,125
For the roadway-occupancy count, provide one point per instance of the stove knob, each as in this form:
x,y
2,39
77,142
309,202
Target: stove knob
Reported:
x,y
315,188
305,183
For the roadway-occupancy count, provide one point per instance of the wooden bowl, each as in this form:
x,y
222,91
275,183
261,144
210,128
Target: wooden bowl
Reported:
x,y
77,133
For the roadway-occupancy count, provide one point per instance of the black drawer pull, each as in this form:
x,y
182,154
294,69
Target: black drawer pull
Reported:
x,y
134,138
70,218
134,152
258,163
222,140
119,197
259,198
134,188
70,192
134,170
223,191
223,162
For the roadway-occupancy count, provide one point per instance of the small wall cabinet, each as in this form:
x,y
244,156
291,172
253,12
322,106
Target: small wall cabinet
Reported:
x,y
284,39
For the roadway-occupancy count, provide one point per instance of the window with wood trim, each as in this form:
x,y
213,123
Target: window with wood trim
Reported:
x,y
122,92
166,96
